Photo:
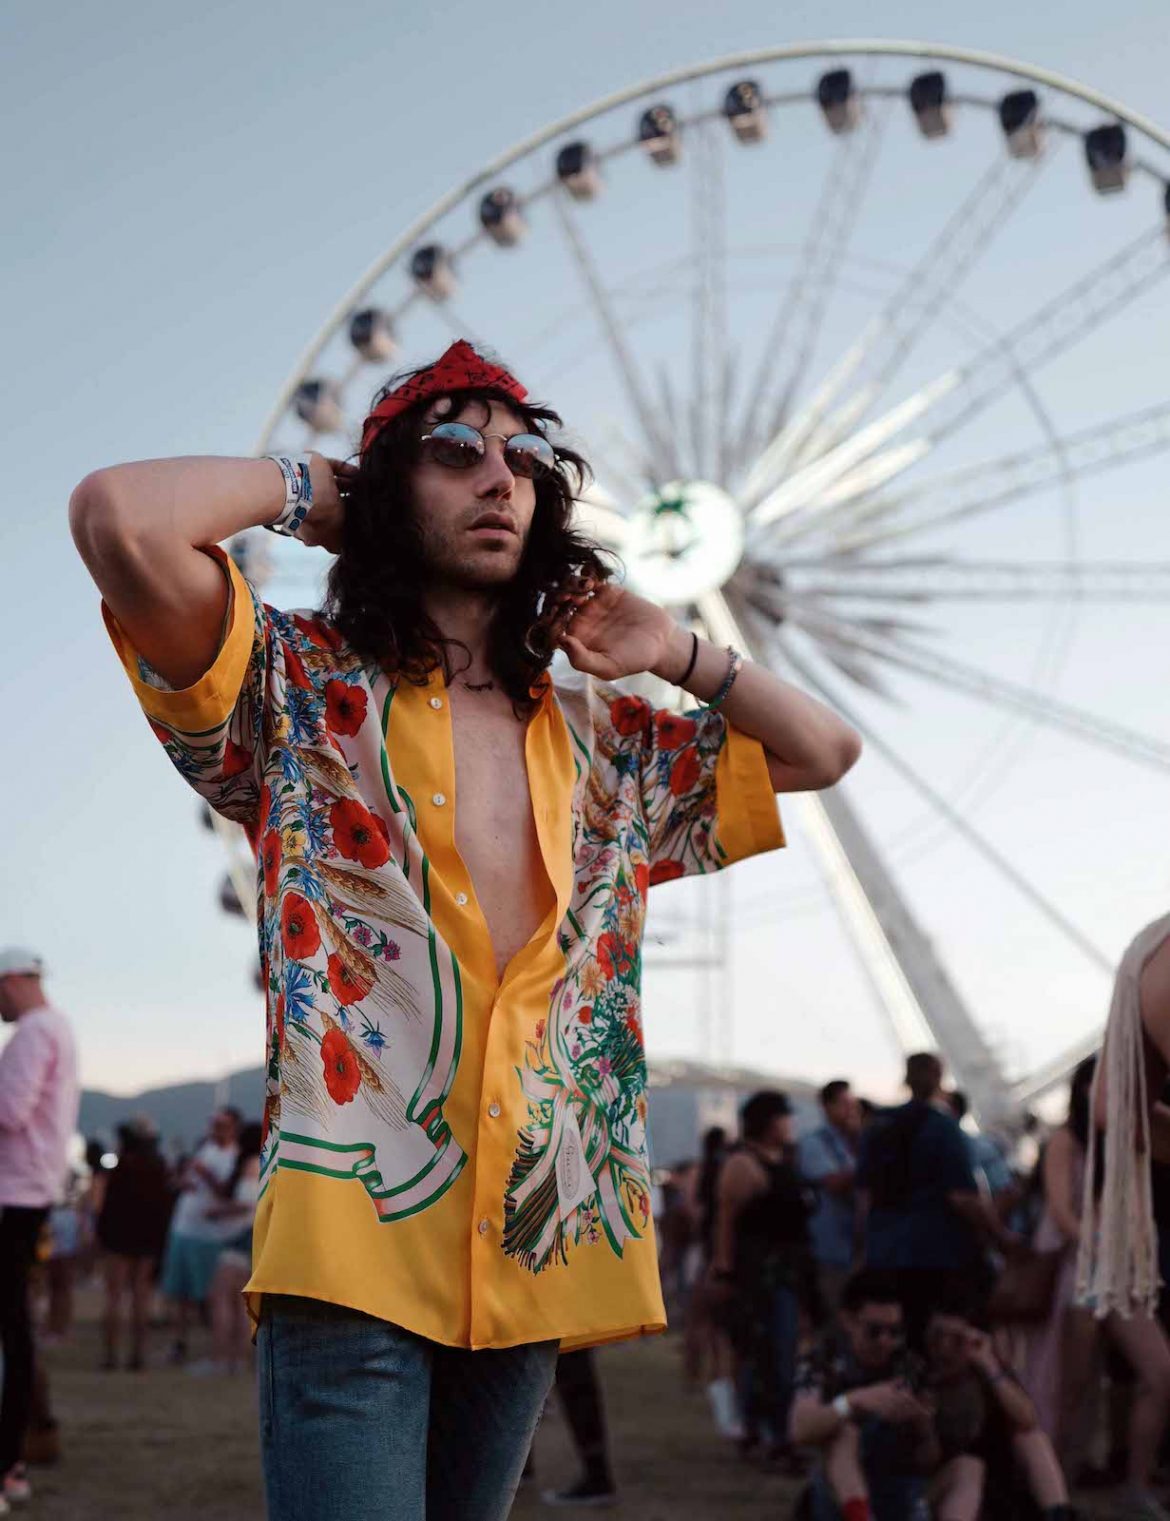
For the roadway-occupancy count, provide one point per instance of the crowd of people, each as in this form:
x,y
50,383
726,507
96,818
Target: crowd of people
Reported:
x,y
167,1238
884,1306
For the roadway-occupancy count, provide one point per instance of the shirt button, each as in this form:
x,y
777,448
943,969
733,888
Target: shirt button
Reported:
x,y
494,1111
436,703
483,1227
461,900
439,799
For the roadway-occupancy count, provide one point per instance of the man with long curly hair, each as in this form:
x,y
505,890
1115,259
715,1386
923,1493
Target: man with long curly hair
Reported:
x,y
454,851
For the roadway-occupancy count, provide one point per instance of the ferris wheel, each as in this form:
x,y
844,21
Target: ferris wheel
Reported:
x,y
861,340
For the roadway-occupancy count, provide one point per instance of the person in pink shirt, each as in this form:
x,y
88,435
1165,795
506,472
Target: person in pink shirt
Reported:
x,y
39,1101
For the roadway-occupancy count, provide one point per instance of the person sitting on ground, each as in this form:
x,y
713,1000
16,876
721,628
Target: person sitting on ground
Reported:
x,y
982,1411
859,1404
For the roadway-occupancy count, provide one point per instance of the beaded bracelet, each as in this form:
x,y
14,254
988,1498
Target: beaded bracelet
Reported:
x,y
734,666
298,494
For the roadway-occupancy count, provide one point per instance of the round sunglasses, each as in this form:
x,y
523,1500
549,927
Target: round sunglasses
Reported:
x,y
459,446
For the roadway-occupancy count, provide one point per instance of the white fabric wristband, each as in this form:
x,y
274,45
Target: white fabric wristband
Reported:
x,y
298,494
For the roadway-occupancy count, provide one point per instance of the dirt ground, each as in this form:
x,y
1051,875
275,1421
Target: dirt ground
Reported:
x,y
140,1446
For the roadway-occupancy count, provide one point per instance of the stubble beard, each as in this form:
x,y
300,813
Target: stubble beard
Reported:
x,y
489,570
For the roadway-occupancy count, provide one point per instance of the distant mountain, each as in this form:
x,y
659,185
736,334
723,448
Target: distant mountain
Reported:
x,y
180,1112
685,1097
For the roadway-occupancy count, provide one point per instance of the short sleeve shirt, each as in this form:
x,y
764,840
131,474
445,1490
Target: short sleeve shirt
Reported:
x,y
824,1152
460,1153
923,1230
830,1369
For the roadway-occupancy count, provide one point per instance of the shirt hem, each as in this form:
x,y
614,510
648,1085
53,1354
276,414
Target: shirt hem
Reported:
x,y
570,1341
747,814
209,702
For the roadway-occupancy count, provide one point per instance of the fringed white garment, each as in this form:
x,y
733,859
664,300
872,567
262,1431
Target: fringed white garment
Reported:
x,y
1117,1260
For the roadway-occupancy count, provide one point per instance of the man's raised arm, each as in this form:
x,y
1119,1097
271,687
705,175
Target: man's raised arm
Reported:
x,y
143,529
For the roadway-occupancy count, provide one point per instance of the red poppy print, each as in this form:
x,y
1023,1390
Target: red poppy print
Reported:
x,y
270,854
629,715
665,871
345,707
684,773
359,834
642,879
299,933
346,987
235,759
294,670
585,1016
613,955
312,631
673,730
634,1026
264,806
343,1075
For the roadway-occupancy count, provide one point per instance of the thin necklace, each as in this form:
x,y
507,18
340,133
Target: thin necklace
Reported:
x,y
480,686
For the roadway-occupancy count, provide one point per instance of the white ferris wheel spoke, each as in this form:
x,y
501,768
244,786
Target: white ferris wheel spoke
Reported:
x,y
977,489
954,817
615,340
925,289
957,676
797,323
708,298
972,386
944,580
807,485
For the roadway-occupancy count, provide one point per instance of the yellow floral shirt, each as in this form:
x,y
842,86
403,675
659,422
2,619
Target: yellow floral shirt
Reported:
x,y
461,1154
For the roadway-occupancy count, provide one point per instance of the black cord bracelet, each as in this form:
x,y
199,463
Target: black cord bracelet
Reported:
x,y
686,675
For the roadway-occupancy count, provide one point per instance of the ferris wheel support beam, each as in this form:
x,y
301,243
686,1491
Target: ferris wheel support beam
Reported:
x,y
1052,1074
920,1001
956,819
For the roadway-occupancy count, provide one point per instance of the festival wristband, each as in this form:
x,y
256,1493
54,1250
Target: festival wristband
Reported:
x,y
298,494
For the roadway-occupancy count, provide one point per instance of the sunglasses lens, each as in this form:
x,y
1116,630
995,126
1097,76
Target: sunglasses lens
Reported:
x,y
529,455
454,445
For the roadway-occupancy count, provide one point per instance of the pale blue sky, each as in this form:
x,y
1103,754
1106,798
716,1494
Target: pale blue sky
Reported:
x,y
188,191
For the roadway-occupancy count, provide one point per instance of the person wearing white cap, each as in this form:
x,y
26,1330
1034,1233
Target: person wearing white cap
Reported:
x,y
39,1102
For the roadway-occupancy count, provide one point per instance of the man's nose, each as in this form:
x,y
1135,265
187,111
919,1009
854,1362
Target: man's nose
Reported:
x,y
494,477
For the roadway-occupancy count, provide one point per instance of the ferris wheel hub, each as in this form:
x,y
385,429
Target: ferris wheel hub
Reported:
x,y
683,540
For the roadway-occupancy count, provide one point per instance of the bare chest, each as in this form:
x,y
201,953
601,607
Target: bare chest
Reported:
x,y
495,831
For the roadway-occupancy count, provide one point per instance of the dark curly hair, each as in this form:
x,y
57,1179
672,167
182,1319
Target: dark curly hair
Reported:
x,y
374,592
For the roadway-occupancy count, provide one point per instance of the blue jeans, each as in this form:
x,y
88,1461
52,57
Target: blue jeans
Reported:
x,y
363,1421
769,1363
894,1494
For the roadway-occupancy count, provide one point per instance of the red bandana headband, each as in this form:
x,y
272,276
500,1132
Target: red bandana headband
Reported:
x,y
459,369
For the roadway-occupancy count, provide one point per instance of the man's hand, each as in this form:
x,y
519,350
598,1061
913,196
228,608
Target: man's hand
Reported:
x,y
890,1401
612,633
330,479
981,1353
